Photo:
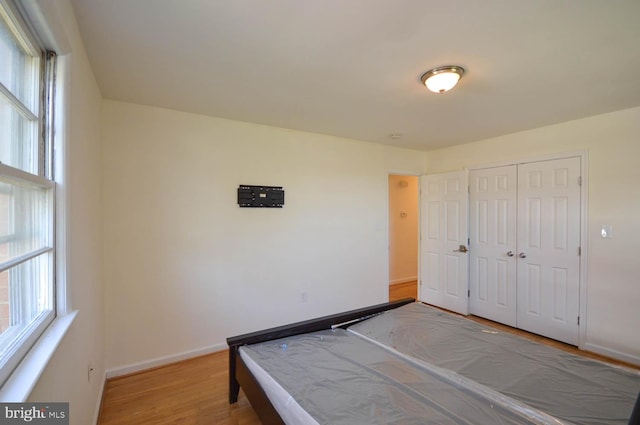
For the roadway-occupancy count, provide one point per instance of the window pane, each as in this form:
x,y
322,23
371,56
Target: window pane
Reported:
x,y
27,285
18,139
25,219
18,70
25,294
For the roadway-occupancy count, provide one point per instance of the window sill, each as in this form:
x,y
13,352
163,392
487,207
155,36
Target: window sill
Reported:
x,y
22,381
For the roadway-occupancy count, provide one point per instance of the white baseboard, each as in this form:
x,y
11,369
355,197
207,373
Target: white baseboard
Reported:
x,y
96,414
161,361
614,354
403,280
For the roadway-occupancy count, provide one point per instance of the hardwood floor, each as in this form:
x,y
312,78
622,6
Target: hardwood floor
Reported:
x,y
191,392
399,291
194,391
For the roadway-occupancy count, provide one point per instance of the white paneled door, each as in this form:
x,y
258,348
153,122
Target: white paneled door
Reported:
x,y
444,224
549,248
492,247
525,246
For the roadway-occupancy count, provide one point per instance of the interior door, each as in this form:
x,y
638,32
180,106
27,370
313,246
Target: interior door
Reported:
x,y
492,243
548,248
444,277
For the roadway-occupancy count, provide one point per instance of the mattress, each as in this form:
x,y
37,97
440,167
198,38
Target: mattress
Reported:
x,y
339,378
285,404
569,387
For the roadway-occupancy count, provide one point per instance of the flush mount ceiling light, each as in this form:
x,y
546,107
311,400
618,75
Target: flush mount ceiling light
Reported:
x,y
442,78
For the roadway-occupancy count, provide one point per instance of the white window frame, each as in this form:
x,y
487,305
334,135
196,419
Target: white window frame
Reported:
x,y
23,340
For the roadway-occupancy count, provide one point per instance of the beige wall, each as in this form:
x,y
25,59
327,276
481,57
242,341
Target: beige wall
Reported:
x,y
613,145
185,267
65,378
403,228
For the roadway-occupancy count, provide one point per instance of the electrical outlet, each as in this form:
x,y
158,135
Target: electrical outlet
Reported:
x,y
303,296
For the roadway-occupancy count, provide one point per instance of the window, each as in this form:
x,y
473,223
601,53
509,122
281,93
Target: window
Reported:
x,y
27,190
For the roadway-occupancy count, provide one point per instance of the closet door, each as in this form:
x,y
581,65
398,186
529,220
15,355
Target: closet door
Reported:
x,y
492,249
548,248
444,266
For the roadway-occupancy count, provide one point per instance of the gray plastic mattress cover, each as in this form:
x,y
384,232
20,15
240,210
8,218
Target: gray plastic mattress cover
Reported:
x,y
340,378
570,387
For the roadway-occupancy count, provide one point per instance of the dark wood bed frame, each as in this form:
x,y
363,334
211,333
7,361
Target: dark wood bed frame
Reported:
x,y
240,376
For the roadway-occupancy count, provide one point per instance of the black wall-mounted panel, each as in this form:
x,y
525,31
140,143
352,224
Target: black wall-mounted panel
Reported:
x,y
260,196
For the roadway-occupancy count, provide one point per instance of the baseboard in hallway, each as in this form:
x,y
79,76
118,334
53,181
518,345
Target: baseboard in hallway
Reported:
x,y
398,291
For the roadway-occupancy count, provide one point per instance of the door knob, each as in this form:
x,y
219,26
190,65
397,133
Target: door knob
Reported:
x,y
510,254
462,248
522,255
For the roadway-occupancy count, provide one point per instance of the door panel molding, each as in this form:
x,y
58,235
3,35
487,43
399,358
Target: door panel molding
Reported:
x,y
444,266
548,240
492,242
583,225
553,221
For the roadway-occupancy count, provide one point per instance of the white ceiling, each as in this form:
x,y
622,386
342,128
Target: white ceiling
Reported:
x,y
352,68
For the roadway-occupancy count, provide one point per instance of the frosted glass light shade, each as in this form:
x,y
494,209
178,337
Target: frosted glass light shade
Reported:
x,y
442,79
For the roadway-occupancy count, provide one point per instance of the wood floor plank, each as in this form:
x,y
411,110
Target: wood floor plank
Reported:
x,y
191,392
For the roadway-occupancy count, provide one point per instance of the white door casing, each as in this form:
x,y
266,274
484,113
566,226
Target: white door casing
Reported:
x,y
492,246
444,232
548,248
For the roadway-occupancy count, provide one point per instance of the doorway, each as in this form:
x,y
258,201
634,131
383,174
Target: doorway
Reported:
x,y
403,236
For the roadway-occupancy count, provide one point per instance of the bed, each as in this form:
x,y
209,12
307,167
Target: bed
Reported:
x,y
408,363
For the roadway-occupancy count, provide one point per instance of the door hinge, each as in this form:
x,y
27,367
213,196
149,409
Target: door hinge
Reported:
x,y
579,180
579,251
468,293
578,320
